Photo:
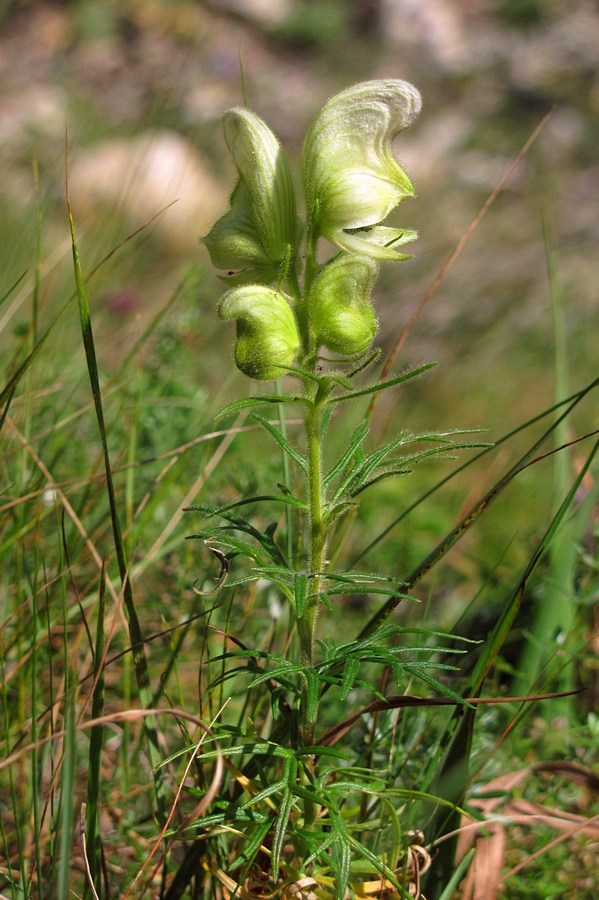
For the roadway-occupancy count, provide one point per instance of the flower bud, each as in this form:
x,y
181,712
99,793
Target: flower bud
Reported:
x,y
352,180
267,335
255,235
341,314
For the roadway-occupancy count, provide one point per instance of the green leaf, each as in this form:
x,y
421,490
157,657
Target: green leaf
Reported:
x,y
267,792
440,688
304,793
361,589
264,538
360,479
312,693
233,814
276,674
255,748
365,363
383,385
268,542
364,578
355,440
248,402
255,840
228,541
250,669
286,498
335,681
282,441
376,458
280,828
390,472
320,848
350,670
336,510
345,785
279,574
341,865
355,478
378,864
318,750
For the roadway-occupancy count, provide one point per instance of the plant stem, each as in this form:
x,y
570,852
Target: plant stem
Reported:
x,y
318,540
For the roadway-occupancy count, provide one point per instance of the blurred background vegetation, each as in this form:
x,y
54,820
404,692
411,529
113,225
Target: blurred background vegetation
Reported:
x,y
139,88
141,85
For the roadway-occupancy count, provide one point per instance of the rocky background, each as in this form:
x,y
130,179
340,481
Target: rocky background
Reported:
x,y
140,85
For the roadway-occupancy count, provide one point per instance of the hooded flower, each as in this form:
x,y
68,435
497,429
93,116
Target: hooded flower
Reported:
x,y
267,335
341,314
257,234
352,180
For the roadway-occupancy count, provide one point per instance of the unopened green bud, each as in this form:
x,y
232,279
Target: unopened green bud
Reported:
x,y
341,314
352,180
254,237
267,335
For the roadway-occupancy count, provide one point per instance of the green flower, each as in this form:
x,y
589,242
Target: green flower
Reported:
x,y
267,335
341,314
256,236
352,180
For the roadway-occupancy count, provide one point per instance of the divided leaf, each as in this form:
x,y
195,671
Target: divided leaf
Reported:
x,y
282,441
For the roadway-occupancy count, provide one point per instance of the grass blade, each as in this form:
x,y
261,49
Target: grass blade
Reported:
x,y
554,614
354,442
280,828
573,400
94,849
472,516
458,738
67,783
135,633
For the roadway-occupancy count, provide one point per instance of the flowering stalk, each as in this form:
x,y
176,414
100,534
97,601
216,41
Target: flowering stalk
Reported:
x,y
351,183
318,544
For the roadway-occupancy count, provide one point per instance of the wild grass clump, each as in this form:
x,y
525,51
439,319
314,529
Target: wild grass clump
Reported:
x,y
256,710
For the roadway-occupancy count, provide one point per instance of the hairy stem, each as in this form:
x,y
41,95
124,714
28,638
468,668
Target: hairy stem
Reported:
x,y
317,549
